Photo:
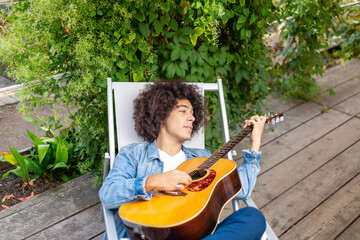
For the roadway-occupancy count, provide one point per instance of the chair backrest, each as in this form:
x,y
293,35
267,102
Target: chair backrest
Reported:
x,y
124,95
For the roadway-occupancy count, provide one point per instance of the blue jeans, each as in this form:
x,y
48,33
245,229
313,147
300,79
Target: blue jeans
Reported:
x,y
247,223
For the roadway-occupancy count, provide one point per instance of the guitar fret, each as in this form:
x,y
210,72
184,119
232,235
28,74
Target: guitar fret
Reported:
x,y
222,151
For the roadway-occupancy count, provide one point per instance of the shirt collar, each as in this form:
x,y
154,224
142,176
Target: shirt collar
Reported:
x,y
153,152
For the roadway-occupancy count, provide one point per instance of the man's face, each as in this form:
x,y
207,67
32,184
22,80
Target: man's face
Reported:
x,y
180,121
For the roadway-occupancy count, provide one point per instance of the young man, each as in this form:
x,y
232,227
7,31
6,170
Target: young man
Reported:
x,y
166,114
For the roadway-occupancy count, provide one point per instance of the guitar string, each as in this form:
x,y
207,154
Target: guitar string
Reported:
x,y
222,151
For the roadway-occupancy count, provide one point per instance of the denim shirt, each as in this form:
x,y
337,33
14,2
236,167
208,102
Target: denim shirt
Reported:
x,y
135,162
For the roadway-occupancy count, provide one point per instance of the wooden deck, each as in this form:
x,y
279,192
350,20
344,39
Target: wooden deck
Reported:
x,y
308,188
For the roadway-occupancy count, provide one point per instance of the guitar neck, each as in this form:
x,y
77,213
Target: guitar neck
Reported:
x,y
222,151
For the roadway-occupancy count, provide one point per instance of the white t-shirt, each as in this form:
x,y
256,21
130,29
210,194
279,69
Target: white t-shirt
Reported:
x,y
171,162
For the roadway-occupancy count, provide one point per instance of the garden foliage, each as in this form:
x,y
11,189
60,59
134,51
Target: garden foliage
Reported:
x,y
143,40
48,158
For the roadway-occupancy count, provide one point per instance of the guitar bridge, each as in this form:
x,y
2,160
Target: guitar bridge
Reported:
x,y
174,193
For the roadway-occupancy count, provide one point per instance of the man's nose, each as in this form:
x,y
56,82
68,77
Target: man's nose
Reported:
x,y
191,118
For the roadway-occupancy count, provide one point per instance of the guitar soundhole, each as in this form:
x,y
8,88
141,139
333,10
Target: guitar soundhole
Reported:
x,y
197,186
197,174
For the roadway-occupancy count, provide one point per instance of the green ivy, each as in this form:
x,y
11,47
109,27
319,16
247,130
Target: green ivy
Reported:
x,y
143,40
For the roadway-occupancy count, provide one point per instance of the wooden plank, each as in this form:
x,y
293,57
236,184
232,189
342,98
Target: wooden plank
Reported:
x,y
294,117
332,217
342,75
84,180
98,237
285,175
84,225
291,206
353,232
350,106
276,104
299,138
48,211
342,92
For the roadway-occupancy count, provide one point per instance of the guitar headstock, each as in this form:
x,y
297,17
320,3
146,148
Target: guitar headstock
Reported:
x,y
274,117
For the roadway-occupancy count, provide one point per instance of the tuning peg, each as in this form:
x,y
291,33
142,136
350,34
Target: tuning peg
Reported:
x,y
273,121
282,118
277,119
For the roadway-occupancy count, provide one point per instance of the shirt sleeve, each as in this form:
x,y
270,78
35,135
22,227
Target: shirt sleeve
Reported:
x,y
248,172
122,185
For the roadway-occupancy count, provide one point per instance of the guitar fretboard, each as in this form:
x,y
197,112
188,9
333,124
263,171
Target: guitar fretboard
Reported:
x,y
221,152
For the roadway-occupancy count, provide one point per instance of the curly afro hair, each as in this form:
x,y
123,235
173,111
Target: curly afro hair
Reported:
x,y
155,102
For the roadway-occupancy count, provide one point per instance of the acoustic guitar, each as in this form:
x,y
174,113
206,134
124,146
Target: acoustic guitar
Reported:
x,y
194,212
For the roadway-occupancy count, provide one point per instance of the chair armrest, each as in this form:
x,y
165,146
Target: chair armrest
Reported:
x,y
110,224
106,165
105,173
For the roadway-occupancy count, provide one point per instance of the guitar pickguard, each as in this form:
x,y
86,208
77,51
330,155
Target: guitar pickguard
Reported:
x,y
202,184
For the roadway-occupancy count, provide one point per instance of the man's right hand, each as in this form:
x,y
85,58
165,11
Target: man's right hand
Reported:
x,y
167,181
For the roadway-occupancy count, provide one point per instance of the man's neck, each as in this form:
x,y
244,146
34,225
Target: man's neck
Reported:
x,y
170,146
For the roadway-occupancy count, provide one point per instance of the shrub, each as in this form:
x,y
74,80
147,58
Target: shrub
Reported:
x,y
302,40
51,156
143,40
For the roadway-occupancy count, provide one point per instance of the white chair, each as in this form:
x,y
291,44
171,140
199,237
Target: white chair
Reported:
x,y
124,94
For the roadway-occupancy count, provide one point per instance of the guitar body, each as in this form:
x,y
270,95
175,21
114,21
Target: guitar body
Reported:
x,y
193,214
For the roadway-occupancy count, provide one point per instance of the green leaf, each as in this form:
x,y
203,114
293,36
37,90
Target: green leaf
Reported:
x,y
20,160
261,23
42,150
241,19
170,70
246,11
238,77
175,54
199,31
93,14
65,178
248,33
203,48
139,16
245,74
60,165
183,55
34,138
187,31
144,29
158,26
252,18
242,33
229,58
33,166
6,174
242,3
183,66
174,25
50,140
193,39
61,154
144,47
137,77
20,173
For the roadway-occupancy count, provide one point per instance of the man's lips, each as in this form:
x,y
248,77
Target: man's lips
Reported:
x,y
188,127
